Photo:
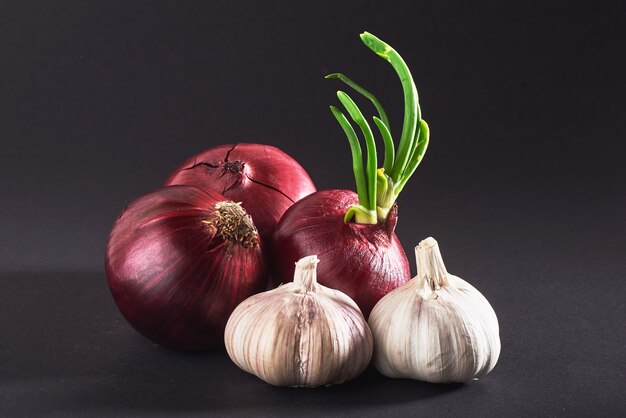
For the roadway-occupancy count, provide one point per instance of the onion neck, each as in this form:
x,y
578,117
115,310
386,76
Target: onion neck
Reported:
x,y
233,224
234,166
430,266
361,215
305,275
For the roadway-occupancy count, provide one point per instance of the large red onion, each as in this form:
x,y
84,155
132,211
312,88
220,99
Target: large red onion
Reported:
x,y
178,262
363,261
263,178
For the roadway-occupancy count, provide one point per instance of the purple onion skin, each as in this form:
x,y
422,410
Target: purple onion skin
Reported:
x,y
263,178
364,261
174,278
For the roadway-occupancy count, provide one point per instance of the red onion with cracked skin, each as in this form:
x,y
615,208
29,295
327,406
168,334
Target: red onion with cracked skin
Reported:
x,y
178,262
363,261
263,178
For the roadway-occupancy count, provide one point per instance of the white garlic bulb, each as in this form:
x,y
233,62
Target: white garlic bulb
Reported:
x,y
300,334
436,328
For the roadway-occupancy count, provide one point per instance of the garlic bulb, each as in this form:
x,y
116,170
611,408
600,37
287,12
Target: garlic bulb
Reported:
x,y
436,328
300,334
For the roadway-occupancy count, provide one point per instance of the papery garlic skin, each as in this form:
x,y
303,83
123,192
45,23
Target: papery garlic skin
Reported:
x,y
436,328
300,334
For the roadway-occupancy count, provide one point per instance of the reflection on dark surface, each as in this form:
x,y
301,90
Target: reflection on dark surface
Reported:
x,y
65,345
64,348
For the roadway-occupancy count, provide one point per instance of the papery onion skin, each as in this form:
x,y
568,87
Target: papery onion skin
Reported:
x,y
263,178
364,261
172,275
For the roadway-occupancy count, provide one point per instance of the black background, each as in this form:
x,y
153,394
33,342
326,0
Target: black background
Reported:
x,y
523,186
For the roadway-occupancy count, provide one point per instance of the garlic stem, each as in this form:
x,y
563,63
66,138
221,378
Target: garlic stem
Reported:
x,y
430,266
306,272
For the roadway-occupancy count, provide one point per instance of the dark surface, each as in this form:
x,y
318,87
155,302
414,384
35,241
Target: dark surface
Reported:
x,y
523,187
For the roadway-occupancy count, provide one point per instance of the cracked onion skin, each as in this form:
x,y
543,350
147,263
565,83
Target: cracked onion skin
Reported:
x,y
364,261
175,273
263,178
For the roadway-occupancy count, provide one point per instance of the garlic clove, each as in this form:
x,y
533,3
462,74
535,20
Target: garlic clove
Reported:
x,y
436,328
300,334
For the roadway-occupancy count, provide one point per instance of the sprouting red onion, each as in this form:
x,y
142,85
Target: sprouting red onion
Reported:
x,y
263,178
363,261
178,262
353,233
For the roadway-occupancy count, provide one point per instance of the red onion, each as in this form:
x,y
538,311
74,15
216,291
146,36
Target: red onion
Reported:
x,y
353,234
263,178
178,262
363,261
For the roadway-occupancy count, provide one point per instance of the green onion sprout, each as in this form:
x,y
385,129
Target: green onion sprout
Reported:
x,y
378,188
